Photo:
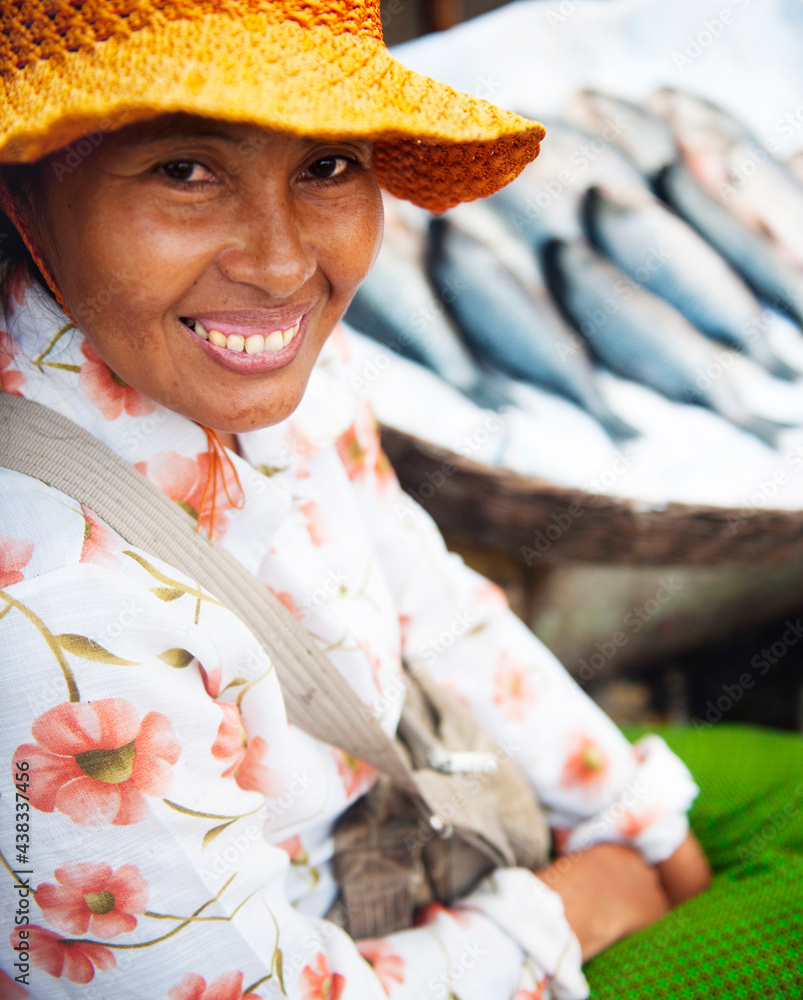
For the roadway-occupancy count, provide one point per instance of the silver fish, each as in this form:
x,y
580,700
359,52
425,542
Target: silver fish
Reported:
x,y
507,317
644,138
668,257
649,142
638,335
736,169
545,199
760,263
397,306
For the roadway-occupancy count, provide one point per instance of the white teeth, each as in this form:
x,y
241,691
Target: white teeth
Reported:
x,y
255,344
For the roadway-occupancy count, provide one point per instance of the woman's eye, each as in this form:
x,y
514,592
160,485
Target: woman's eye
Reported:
x,y
328,167
185,171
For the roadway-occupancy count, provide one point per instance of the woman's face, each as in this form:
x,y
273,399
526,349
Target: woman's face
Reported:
x,y
208,262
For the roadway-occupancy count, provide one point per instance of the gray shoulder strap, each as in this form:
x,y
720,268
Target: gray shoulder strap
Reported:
x,y
41,443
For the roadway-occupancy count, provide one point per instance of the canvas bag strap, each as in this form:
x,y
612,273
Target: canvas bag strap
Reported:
x,y
38,442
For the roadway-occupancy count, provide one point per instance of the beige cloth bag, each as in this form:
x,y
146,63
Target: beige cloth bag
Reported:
x,y
450,804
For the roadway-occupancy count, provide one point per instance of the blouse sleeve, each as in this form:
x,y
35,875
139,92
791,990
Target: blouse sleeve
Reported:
x,y
150,776
456,624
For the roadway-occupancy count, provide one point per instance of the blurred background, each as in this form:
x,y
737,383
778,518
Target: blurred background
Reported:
x,y
406,19
593,380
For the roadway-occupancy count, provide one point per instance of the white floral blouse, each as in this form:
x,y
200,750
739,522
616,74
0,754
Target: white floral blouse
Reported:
x,y
164,832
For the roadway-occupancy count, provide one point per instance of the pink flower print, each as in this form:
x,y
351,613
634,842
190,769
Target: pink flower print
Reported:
x,y
356,775
389,967
631,825
492,595
318,982
14,556
91,897
301,444
360,451
229,986
534,994
185,481
514,687
375,662
244,754
100,542
587,765
316,523
11,990
432,911
352,454
211,680
339,341
75,960
385,473
20,283
9,381
108,391
294,847
96,762
292,605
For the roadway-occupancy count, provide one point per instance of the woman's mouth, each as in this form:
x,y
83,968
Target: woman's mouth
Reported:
x,y
254,343
248,344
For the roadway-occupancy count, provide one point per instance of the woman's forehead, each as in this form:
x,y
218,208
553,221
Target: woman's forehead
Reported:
x,y
181,125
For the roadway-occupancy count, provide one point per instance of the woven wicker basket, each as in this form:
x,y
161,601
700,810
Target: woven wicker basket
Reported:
x,y
528,519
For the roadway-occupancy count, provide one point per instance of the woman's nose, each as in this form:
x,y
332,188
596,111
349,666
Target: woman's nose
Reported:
x,y
270,251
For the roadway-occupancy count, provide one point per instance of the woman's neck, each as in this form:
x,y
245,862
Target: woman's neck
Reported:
x,y
229,440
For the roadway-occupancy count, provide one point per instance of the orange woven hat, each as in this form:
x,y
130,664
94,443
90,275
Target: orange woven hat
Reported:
x,y
311,67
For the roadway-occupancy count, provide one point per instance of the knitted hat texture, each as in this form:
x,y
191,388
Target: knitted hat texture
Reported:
x,y
70,69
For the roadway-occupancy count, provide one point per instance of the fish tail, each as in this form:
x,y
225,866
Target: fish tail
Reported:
x,y
616,428
767,431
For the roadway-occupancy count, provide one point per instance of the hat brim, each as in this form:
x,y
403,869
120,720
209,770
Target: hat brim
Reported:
x,y
434,146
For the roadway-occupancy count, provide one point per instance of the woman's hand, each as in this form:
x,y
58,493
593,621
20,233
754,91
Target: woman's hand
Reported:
x,y
686,873
608,892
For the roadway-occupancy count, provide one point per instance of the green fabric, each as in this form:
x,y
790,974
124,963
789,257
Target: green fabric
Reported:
x,y
743,938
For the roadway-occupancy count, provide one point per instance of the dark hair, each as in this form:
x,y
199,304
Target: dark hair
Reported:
x,y
15,257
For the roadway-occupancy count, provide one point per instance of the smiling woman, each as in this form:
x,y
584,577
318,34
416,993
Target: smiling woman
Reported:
x,y
233,252
195,191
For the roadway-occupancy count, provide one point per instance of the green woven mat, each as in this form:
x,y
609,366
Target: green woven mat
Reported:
x,y
743,938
